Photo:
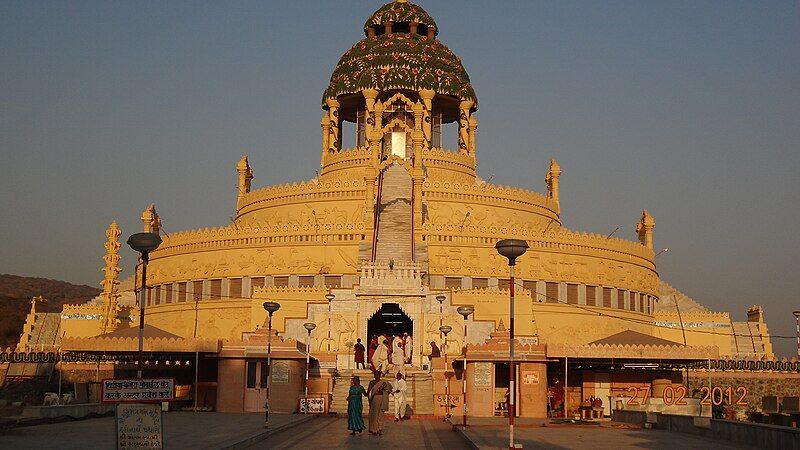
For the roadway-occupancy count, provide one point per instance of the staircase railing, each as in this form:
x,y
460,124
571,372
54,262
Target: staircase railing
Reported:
x,y
376,220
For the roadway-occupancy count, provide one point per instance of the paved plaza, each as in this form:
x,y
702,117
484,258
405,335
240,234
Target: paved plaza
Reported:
x,y
327,432
182,430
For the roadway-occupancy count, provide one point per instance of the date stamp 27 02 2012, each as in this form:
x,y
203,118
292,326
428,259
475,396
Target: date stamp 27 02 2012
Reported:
x,y
715,396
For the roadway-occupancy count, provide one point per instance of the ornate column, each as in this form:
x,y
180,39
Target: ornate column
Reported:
x,y
377,133
417,137
473,128
370,178
463,126
110,284
427,101
645,229
333,118
325,123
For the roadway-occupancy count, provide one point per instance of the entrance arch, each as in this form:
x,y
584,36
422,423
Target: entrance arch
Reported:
x,y
389,319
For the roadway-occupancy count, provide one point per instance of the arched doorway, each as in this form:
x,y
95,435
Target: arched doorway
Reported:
x,y
389,320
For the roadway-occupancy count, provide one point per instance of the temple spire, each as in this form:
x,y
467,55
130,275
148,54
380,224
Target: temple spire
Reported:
x,y
110,284
151,220
645,229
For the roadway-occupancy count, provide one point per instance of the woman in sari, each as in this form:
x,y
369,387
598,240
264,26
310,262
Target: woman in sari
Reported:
x,y
378,394
355,409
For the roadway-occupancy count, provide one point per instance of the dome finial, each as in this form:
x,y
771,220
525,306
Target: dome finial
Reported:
x,y
401,1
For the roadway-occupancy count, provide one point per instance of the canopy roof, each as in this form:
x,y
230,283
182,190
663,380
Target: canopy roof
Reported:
x,y
400,12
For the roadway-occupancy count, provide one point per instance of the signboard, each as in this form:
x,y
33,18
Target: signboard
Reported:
x,y
483,374
139,390
139,426
312,405
530,377
280,373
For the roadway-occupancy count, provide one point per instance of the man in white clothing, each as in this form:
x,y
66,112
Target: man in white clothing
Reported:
x,y
399,391
408,347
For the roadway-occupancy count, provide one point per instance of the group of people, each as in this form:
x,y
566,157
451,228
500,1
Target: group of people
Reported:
x,y
385,352
377,394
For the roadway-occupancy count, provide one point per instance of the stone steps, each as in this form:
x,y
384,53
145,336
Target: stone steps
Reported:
x,y
419,396
395,214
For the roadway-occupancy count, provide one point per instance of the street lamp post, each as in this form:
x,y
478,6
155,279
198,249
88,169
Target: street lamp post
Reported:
x,y
440,298
309,326
797,323
144,243
465,311
446,329
329,297
270,307
511,249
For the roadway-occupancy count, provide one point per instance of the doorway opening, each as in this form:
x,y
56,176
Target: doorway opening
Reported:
x,y
389,320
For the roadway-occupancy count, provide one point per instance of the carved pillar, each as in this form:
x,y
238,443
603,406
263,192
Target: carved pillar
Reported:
x,y
377,133
418,137
427,101
370,95
333,117
553,174
418,176
645,229
388,25
325,123
463,126
473,128
110,284
370,178
245,176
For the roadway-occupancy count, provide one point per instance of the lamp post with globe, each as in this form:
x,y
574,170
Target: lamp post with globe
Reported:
x,y
309,326
465,311
144,243
270,307
446,329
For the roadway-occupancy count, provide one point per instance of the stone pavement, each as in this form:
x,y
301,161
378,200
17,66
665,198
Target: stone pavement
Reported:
x,y
328,432
595,437
195,430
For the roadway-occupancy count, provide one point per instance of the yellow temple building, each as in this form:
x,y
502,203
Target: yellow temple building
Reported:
x,y
393,236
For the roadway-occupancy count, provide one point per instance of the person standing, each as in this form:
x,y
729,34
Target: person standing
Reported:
x,y
435,353
359,353
355,408
400,388
373,345
378,395
381,357
398,358
408,347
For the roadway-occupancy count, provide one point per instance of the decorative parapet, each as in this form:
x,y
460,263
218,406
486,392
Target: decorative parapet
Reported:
x,y
390,275
555,240
751,364
492,195
450,160
284,292
636,351
125,344
711,319
346,159
293,193
82,312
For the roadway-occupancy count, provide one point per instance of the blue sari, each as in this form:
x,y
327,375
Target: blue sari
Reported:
x,y
355,409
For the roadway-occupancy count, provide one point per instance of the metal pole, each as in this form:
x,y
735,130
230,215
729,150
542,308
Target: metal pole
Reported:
x,y
447,382
566,384
511,371
329,326
308,343
269,368
464,375
797,320
143,298
196,370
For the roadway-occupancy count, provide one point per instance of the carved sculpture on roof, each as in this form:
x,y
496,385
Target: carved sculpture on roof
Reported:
x,y
553,174
645,229
110,283
245,176
151,220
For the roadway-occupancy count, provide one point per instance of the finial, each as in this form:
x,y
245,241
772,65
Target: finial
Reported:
x,y
645,229
110,284
151,219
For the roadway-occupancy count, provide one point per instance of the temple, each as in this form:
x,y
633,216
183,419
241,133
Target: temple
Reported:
x,y
394,235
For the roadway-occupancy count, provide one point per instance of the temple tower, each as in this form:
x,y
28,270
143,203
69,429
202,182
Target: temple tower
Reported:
x,y
110,284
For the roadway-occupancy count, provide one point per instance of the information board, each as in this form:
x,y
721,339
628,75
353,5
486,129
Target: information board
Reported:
x,y
139,426
483,374
280,373
139,390
312,405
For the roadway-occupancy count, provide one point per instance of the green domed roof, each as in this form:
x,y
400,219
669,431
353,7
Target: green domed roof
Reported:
x,y
400,61
400,12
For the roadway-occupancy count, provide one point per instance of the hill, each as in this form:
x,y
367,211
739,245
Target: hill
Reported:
x,y
15,301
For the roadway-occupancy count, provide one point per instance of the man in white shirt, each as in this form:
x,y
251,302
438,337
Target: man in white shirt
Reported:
x,y
399,391
408,347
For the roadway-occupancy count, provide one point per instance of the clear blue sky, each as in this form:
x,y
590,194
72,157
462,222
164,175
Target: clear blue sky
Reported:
x,y
690,109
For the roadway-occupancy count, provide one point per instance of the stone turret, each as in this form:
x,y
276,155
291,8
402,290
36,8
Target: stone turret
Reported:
x,y
110,284
645,229
553,174
245,176
151,220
